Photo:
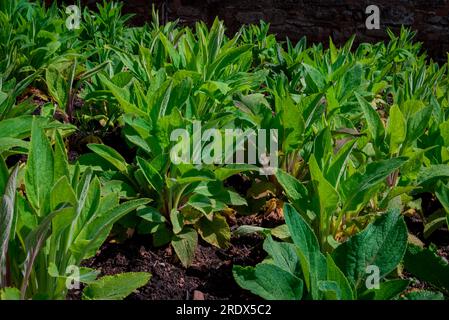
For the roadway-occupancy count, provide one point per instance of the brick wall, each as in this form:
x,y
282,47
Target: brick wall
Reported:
x,y
316,19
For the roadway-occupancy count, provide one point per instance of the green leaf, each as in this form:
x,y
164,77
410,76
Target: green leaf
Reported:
x,y
185,244
226,58
61,162
387,290
10,294
382,244
7,205
162,236
247,230
4,175
417,124
433,172
269,282
428,266
7,144
95,232
396,129
39,170
57,85
423,295
152,176
443,196
177,221
294,189
62,193
20,127
123,97
215,232
151,215
335,274
338,165
228,171
110,155
86,275
283,254
375,124
314,79
326,197
115,287
358,186
313,262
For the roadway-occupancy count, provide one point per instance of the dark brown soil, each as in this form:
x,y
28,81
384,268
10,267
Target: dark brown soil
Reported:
x,y
210,276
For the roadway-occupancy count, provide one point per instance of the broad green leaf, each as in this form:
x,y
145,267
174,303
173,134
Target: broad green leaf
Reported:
x,y
177,221
162,236
88,204
313,262
94,233
57,84
224,59
269,282
215,232
246,230
423,295
357,187
205,205
185,244
20,127
283,254
10,294
169,47
294,190
326,197
387,290
436,171
39,170
314,79
382,244
375,125
396,129
151,215
228,171
123,97
417,124
336,275
428,266
86,275
7,206
444,132
443,196
330,290
61,168
323,148
152,176
110,155
116,287
7,144
4,175
338,165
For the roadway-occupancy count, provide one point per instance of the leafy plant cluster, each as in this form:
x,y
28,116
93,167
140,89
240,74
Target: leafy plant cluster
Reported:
x,y
86,117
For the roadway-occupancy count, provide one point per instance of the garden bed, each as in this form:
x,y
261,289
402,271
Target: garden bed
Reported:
x,y
164,162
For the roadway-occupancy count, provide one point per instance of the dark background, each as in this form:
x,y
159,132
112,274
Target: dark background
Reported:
x,y
316,19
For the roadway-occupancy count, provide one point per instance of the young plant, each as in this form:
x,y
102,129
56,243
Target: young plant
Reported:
x,y
299,270
59,218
